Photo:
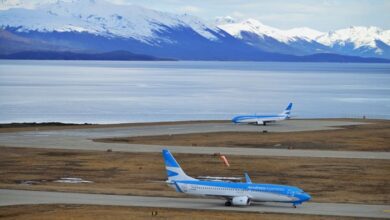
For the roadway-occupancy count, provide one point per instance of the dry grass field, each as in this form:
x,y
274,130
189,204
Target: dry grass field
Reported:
x,y
89,212
368,137
326,179
49,126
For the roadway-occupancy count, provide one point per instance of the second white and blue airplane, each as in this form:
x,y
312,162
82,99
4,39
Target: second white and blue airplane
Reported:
x,y
263,119
235,193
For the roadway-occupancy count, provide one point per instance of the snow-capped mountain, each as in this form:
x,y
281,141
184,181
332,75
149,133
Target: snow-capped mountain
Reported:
x,y
360,36
299,41
102,18
367,41
98,26
359,41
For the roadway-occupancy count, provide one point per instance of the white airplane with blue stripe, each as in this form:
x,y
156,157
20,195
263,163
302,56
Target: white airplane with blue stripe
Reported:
x,y
235,193
263,119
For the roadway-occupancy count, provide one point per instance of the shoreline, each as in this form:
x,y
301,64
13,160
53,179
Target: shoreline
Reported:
x,y
43,126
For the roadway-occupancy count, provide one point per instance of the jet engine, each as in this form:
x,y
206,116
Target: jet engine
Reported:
x,y
241,200
261,123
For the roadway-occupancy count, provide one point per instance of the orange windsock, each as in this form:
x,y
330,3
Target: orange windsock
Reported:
x,y
225,160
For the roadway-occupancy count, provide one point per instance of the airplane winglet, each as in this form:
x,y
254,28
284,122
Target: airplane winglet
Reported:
x,y
247,178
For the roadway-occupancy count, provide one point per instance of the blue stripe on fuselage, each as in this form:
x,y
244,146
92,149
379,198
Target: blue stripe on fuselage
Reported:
x,y
246,186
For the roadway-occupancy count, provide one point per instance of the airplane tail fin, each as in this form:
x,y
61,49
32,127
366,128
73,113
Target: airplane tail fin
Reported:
x,y
287,111
173,168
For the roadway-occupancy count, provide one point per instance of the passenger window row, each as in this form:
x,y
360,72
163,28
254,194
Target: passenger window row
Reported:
x,y
222,188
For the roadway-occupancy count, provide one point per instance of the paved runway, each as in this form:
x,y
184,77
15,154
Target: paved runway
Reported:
x,y
147,130
18,197
80,139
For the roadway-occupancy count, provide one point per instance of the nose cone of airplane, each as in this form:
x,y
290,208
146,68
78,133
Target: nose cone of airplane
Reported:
x,y
304,197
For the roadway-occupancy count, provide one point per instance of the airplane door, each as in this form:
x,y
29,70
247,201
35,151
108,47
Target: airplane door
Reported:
x,y
193,188
184,188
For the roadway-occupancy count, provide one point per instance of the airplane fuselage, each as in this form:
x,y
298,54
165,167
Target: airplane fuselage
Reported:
x,y
234,193
254,192
258,119
263,119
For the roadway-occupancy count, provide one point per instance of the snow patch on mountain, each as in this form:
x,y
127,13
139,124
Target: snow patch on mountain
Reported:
x,y
253,26
262,30
304,33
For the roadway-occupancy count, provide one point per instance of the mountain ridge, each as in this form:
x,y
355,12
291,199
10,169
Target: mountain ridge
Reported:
x,y
66,55
97,26
355,40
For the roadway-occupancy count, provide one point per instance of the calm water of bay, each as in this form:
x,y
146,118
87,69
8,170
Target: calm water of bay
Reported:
x,y
117,92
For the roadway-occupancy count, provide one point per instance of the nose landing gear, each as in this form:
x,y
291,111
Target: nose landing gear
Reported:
x,y
295,204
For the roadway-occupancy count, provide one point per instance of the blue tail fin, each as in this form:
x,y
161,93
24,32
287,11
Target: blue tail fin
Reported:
x,y
287,111
173,168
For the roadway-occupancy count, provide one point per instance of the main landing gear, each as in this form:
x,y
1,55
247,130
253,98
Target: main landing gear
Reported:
x,y
228,203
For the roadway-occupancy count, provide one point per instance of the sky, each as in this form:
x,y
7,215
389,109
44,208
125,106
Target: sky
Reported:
x,y
323,15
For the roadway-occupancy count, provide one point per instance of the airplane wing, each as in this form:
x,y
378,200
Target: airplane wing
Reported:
x,y
218,178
